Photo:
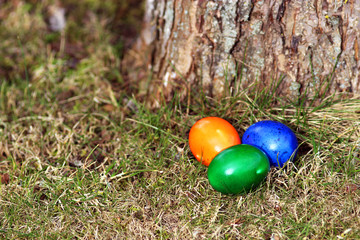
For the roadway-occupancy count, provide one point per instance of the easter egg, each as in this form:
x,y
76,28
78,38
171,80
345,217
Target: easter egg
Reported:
x,y
238,169
209,136
277,140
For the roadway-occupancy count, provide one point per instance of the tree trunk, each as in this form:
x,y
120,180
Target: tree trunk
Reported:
x,y
225,46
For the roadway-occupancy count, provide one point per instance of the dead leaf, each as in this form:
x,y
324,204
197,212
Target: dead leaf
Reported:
x,y
5,178
277,207
351,188
108,108
65,95
236,222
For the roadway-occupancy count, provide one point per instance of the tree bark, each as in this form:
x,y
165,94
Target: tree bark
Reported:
x,y
225,46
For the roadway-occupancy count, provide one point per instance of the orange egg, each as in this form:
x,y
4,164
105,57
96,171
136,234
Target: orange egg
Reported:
x,y
209,136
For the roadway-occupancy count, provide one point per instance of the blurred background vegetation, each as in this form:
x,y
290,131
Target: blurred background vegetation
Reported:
x,y
93,28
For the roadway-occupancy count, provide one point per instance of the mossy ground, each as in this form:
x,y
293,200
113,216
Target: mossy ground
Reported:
x,y
81,157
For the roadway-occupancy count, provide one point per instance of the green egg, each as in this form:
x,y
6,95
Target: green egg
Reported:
x,y
238,169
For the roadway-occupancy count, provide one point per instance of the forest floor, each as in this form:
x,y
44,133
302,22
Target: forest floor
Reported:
x,y
82,158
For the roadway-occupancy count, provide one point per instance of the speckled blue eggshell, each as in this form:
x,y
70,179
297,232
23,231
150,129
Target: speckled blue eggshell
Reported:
x,y
277,140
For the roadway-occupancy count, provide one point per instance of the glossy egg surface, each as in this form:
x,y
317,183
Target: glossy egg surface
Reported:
x,y
238,169
276,139
209,136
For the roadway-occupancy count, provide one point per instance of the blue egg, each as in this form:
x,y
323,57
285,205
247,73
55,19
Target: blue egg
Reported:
x,y
275,139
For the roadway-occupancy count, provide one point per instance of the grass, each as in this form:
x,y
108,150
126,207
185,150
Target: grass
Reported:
x,y
81,157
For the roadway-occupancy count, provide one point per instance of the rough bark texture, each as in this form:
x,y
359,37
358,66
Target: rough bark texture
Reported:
x,y
215,43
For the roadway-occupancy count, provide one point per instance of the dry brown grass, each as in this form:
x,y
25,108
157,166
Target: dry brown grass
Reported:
x,y
81,158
